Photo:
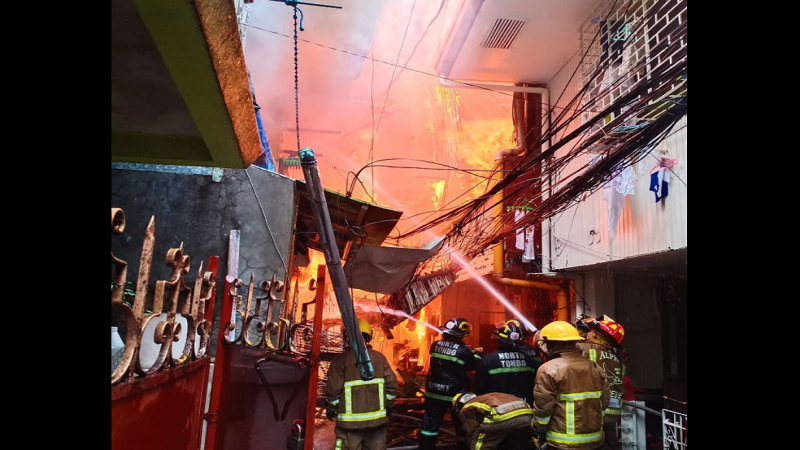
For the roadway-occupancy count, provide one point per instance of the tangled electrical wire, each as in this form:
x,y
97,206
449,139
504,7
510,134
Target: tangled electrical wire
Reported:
x,y
652,100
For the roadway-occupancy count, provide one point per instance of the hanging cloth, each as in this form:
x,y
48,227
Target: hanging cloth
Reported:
x,y
659,183
621,186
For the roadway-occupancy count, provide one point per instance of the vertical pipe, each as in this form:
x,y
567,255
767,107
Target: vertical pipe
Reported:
x,y
497,251
562,301
220,363
322,219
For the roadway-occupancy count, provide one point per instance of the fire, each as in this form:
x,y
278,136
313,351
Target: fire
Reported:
x,y
305,274
420,362
438,191
449,100
483,138
421,330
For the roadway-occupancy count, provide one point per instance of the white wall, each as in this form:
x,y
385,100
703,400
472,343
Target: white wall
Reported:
x,y
645,226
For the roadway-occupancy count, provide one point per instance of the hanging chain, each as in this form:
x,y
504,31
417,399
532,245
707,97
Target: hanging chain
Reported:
x,y
296,84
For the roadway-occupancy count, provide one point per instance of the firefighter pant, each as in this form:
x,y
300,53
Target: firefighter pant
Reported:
x,y
364,439
610,430
519,439
434,411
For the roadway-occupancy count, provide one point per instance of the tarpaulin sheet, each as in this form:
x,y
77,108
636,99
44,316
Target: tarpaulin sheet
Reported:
x,y
386,270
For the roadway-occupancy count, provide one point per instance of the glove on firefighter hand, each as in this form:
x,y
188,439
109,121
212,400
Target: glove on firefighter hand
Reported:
x,y
389,411
330,412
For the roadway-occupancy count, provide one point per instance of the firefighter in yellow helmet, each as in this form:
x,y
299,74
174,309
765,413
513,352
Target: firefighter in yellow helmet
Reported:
x,y
494,421
571,392
604,346
361,408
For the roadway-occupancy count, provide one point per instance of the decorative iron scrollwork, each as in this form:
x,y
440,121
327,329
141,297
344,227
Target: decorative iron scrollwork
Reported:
x,y
162,328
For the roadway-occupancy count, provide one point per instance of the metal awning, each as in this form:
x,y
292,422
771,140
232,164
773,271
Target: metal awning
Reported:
x,y
347,214
386,270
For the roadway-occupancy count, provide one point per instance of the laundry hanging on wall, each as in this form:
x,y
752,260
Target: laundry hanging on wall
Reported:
x,y
659,183
615,192
524,239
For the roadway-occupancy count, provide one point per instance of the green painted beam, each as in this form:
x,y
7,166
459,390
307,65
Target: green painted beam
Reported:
x,y
159,149
209,84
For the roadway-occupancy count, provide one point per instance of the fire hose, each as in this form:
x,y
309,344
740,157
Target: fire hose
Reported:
x,y
322,219
400,416
416,447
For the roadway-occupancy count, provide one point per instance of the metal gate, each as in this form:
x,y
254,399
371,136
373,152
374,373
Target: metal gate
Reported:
x,y
159,369
264,390
674,428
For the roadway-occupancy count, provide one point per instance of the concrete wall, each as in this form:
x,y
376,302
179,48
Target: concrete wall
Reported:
x,y
652,307
199,212
637,309
596,292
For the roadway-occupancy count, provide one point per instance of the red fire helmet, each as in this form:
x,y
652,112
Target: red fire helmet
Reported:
x,y
613,329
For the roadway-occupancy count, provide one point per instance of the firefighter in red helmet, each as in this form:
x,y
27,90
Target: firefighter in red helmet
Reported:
x,y
603,345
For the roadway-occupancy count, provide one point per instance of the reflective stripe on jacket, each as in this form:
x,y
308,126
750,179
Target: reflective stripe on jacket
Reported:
x,y
450,362
508,371
608,360
494,413
360,404
569,398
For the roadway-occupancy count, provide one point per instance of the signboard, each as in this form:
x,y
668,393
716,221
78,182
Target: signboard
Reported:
x,y
423,290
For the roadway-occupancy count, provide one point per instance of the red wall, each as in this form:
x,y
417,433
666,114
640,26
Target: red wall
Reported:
x,y
161,412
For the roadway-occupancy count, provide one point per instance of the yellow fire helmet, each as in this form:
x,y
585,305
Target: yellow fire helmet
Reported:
x,y
559,331
365,327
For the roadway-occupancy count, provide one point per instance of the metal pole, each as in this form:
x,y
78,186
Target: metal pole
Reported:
x,y
327,239
643,408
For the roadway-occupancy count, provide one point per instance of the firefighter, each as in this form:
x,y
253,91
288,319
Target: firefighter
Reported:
x,y
523,345
450,360
604,347
507,370
571,392
361,408
493,421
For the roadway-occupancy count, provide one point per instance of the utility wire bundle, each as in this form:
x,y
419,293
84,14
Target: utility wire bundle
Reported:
x,y
644,115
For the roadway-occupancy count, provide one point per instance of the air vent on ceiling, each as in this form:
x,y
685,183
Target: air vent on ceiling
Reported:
x,y
502,33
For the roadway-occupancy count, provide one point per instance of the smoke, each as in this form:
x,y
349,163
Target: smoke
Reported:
x,y
345,98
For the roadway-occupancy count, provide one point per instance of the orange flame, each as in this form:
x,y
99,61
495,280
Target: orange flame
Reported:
x,y
484,138
438,191
421,329
449,100
305,274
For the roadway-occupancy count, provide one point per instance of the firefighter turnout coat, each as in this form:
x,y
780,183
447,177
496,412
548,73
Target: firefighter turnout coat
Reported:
x,y
569,398
608,360
450,362
360,404
490,418
508,371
